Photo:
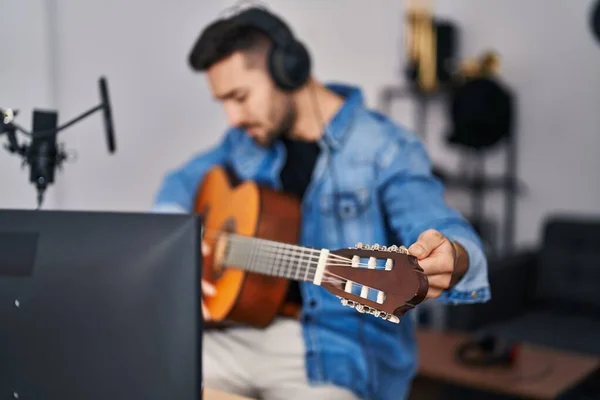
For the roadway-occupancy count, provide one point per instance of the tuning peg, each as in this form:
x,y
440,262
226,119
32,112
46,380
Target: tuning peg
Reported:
x,y
346,302
398,249
375,246
358,245
361,308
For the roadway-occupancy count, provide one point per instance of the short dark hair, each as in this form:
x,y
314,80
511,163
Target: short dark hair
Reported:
x,y
224,37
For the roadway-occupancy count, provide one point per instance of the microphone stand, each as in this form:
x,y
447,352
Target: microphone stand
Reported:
x,y
42,157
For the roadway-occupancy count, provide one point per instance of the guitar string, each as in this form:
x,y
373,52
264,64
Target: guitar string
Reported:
x,y
216,234
263,255
237,239
333,278
288,253
327,275
277,270
256,254
298,254
281,254
286,269
278,255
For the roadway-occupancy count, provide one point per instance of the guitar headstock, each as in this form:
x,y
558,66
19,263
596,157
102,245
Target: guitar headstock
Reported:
x,y
382,281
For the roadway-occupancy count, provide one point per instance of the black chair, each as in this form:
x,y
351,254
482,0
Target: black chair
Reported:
x,y
549,296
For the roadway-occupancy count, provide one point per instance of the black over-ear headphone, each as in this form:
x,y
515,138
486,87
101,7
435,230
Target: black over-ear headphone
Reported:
x,y
289,62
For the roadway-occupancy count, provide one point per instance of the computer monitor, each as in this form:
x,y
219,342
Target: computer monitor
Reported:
x,y
100,305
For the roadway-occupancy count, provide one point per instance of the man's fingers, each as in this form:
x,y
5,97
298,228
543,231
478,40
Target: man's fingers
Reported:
x,y
433,293
208,289
439,281
205,249
426,243
437,264
205,312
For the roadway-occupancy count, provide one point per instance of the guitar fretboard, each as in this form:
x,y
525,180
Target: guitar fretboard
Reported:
x,y
271,258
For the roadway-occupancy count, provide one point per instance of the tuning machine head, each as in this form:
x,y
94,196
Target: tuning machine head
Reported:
x,y
363,309
364,246
377,247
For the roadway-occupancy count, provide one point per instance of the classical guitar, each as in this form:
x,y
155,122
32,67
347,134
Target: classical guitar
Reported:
x,y
253,231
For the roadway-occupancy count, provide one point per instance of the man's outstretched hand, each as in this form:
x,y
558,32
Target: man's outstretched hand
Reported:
x,y
443,261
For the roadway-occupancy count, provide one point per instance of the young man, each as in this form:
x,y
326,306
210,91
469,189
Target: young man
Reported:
x,y
361,178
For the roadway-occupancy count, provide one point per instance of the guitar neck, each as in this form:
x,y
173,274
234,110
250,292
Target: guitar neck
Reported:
x,y
276,259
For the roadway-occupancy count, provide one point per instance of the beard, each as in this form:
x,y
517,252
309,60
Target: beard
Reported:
x,y
282,127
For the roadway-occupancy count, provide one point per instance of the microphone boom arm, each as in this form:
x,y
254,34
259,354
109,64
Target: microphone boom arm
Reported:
x,y
50,132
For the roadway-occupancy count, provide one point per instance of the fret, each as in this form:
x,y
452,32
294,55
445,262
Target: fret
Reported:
x,y
271,258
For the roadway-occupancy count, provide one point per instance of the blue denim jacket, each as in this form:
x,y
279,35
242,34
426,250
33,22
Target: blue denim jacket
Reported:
x,y
373,184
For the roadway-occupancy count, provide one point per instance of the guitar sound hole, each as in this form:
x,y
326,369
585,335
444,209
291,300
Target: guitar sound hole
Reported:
x,y
228,226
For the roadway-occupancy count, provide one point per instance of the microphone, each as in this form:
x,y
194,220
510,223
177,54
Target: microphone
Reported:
x,y
43,154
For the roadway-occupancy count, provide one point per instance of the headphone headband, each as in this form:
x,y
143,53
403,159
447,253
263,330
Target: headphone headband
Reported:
x,y
267,23
289,62
240,7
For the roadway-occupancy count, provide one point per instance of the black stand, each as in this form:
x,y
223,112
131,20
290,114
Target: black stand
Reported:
x,y
477,184
42,153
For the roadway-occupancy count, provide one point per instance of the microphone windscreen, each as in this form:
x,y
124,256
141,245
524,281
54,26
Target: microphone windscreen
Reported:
x,y
42,154
107,112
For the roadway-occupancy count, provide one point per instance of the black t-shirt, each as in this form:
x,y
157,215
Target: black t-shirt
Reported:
x,y
295,177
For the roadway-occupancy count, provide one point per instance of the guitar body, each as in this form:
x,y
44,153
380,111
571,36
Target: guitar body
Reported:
x,y
248,209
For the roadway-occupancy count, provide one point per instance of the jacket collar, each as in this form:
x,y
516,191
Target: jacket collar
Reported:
x,y
338,127
248,156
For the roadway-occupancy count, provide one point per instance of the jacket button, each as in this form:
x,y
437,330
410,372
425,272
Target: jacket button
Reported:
x,y
312,303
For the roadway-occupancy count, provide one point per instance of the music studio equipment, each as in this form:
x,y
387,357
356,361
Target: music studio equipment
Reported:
x,y
595,20
481,109
43,154
100,305
432,47
288,61
486,351
253,231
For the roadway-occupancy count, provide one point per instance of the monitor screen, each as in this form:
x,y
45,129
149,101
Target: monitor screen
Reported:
x,y
99,305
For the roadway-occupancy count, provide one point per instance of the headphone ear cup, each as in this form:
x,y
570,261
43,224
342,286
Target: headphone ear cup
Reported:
x,y
290,65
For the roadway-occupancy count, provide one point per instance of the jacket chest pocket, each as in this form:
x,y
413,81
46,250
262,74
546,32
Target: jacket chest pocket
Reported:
x,y
347,217
346,205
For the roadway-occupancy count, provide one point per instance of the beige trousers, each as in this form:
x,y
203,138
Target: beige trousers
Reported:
x,y
265,364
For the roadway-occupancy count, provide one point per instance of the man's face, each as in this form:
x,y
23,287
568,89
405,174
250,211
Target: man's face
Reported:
x,y
250,98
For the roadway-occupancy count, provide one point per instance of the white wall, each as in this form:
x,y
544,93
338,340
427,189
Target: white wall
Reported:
x,y
163,113
25,83
552,62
